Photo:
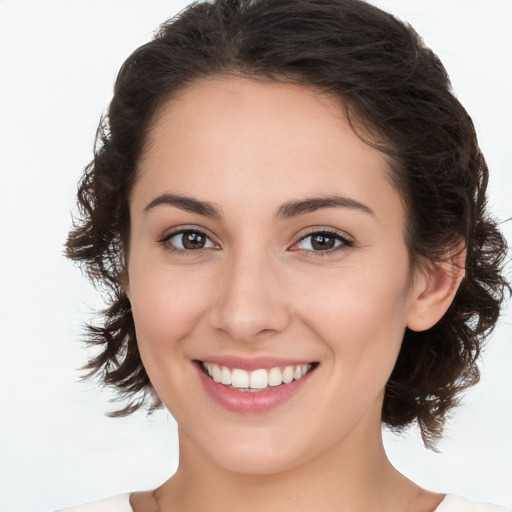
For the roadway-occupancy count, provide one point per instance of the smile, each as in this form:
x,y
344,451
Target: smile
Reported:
x,y
257,380
261,386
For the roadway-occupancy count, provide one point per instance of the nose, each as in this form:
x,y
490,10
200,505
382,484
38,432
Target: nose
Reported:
x,y
251,301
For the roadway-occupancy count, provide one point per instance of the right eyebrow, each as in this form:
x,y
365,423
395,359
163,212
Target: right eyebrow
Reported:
x,y
187,204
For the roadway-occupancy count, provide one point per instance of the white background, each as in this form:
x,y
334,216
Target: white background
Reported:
x,y
58,61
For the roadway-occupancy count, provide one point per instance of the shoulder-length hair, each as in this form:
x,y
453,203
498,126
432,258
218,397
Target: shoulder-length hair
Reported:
x,y
398,97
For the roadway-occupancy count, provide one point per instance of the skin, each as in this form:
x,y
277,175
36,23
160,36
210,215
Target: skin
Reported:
x,y
258,287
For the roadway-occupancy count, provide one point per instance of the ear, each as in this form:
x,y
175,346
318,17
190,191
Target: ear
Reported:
x,y
435,285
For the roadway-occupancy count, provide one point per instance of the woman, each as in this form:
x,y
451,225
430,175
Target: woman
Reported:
x,y
288,205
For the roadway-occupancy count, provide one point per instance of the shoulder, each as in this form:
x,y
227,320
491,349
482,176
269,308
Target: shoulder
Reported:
x,y
453,503
119,503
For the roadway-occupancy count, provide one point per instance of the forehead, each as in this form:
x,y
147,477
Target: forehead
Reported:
x,y
226,139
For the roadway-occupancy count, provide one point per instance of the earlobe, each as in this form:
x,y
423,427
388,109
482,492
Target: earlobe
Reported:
x,y
434,289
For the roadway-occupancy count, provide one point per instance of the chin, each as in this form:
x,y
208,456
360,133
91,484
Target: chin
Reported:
x,y
257,451
251,462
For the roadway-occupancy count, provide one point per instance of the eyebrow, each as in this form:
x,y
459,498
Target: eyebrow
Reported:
x,y
285,211
300,207
188,204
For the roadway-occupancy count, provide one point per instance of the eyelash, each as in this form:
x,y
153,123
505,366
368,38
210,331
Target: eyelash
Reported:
x,y
338,236
165,241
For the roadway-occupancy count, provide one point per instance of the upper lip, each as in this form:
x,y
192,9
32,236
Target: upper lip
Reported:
x,y
254,363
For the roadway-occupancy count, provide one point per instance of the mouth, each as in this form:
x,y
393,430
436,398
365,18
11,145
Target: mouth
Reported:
x,y
257,380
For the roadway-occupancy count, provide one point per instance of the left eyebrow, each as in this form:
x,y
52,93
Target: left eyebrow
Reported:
x,y
295,208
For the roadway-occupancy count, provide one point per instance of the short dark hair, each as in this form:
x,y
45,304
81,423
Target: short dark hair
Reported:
x,y
394,89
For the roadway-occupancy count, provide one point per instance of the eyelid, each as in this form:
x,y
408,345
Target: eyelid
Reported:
x,y
345,239
169,234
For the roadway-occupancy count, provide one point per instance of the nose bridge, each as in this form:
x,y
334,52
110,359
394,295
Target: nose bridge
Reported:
x,y
250,300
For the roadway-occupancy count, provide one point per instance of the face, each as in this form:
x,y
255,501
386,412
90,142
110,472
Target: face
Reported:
x,y
267,249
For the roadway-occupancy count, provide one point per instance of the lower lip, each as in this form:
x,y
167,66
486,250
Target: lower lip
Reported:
x,y
245,402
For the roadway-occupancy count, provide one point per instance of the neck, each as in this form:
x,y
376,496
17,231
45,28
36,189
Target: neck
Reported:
x,y
352,476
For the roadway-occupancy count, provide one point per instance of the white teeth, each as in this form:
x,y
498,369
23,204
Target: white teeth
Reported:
x,y
239,378
225,377
257,379
275,377
288,374
216,373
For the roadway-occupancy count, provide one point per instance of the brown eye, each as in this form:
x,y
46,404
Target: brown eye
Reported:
x,y
191,240
324,242
188,240
321,242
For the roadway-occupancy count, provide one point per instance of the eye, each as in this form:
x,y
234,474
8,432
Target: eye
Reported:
x,y
187,240
323,242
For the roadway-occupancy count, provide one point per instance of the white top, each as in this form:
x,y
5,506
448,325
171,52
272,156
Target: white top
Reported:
x,y
451,503
119,503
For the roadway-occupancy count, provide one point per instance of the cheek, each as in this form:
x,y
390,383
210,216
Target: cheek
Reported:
x,y
361,316
166,308
360,320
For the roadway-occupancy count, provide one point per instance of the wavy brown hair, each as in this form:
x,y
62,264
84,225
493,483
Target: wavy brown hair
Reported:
x,y
398,97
